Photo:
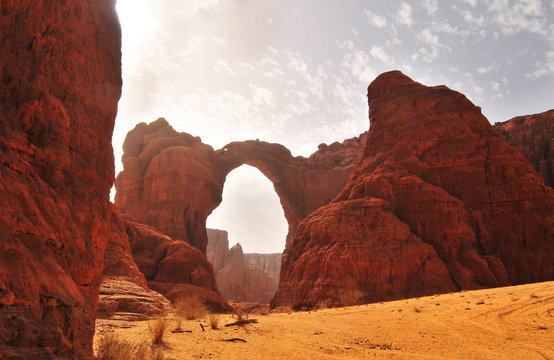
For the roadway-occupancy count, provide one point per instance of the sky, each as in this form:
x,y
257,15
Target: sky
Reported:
x,y
296,72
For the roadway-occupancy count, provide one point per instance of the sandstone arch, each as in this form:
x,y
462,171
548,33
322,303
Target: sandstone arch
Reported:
x,y
172,181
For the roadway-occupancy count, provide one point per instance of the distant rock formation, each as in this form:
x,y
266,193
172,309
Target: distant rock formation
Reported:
x,y
173,267
439,202
60,80
172,181
270,264
533,136
233,271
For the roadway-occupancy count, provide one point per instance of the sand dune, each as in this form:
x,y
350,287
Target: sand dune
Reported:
x,y
503,323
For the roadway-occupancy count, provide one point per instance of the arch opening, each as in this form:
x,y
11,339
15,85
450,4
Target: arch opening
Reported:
x,y
247,246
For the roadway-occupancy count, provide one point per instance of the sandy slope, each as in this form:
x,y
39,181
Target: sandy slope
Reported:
x,y
503,323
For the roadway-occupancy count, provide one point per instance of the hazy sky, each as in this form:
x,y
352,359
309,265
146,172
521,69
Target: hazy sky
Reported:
x,y
296,72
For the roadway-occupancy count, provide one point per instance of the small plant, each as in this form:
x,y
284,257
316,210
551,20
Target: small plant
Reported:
x,y
213,321
190,307
240,309
158,329
111,347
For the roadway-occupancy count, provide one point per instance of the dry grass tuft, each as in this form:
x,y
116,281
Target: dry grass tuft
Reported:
x,y
158,329
111,347
190,307
213,321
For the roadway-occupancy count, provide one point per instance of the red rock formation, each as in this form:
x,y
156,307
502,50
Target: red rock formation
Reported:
x,y
123,299
172,267
59,86
235,270
123,291
270,264
218,248
533,136
439,202
172,181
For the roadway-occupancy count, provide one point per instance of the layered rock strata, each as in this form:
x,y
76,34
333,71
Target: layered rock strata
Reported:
x,y
172,181
124,292
439,202
236,271
60,80
533,136
173,267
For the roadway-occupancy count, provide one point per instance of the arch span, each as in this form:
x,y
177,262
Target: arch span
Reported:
x,y
172,181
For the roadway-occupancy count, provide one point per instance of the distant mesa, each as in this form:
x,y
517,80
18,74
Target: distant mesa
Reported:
x,y
439,202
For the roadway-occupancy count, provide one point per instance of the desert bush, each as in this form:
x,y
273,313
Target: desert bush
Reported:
x,y
190,307
213,321
111,347
158,329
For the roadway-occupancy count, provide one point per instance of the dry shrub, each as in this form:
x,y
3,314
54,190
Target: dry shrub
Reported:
x,y
190,307
158,329
111,347
213,321
240,310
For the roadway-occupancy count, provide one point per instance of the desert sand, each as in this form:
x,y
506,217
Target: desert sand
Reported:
x,y
501,323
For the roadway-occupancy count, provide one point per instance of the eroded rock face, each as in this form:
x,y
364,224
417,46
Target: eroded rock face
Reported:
x,y
173,267
172,181
60,80
124,293
235,271
533,136
123,299
439,202
270,264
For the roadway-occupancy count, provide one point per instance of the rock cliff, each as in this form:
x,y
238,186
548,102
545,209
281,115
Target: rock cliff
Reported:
x,y
439,202
270,264
60,80
124,292
533,136
257,274
173,267
172,181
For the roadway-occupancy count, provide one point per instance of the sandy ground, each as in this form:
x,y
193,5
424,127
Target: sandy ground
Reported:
x,y
503,323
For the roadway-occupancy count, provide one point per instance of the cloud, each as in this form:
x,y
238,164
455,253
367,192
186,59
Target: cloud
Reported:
x,y
521,15
375,20
378,53
404,14
545,68
431,6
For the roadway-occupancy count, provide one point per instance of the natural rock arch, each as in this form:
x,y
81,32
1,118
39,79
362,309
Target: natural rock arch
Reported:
x,y
172,181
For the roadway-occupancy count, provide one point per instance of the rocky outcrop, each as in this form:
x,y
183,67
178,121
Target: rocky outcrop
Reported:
x,y
172,181
173,267
60,81
270,264
533,136
123,299
124,292
235,271
439,202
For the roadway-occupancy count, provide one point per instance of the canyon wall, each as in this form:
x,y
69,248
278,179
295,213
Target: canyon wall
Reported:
x,y
173,267
256,274
439,202
60,80
172,181
533,136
